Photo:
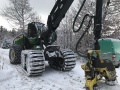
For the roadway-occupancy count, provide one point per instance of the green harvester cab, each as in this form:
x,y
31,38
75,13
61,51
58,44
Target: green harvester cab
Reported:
x,y
110,50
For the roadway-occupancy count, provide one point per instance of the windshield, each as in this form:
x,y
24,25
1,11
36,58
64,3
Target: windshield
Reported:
x,y
40,27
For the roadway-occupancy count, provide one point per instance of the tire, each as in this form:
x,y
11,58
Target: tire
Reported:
x,y
15,54
65,63
23,60
69,59
35,63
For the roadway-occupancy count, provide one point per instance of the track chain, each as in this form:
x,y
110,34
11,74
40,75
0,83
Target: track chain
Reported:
x,y
35,63
68,63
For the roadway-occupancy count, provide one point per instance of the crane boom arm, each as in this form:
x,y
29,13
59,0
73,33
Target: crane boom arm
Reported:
x,y
57,13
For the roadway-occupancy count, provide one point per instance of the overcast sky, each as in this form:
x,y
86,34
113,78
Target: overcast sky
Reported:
x,y
42,7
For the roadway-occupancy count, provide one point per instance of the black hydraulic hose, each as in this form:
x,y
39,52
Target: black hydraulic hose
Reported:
x,y
77,17
86,29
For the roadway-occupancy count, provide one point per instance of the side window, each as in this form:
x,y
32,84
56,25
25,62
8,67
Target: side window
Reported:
x,y
40,27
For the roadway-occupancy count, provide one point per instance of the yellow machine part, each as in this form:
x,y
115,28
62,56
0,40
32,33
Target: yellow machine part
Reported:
x,y
101,72
90,83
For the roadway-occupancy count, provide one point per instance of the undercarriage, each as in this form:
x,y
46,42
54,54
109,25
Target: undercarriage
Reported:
x,y
33,61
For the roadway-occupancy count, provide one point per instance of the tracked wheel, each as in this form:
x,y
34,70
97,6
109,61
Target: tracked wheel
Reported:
x,y
35,63
69,60
15,54
66,63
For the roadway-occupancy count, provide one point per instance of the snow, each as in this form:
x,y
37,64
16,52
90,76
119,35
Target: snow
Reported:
x,y
6,74
12,77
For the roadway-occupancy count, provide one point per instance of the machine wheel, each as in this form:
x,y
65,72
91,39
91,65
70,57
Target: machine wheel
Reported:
x,y
66,63
69,60
35,63
15,54
23,59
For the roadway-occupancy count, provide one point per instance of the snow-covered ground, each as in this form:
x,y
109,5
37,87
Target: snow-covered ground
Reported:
x,y
13,78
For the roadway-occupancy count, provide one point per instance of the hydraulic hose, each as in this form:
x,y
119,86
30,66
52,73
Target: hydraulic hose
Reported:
x,y
79,28
86,30
77,17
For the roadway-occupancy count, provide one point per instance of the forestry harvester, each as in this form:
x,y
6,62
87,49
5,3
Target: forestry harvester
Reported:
x,y
33,49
